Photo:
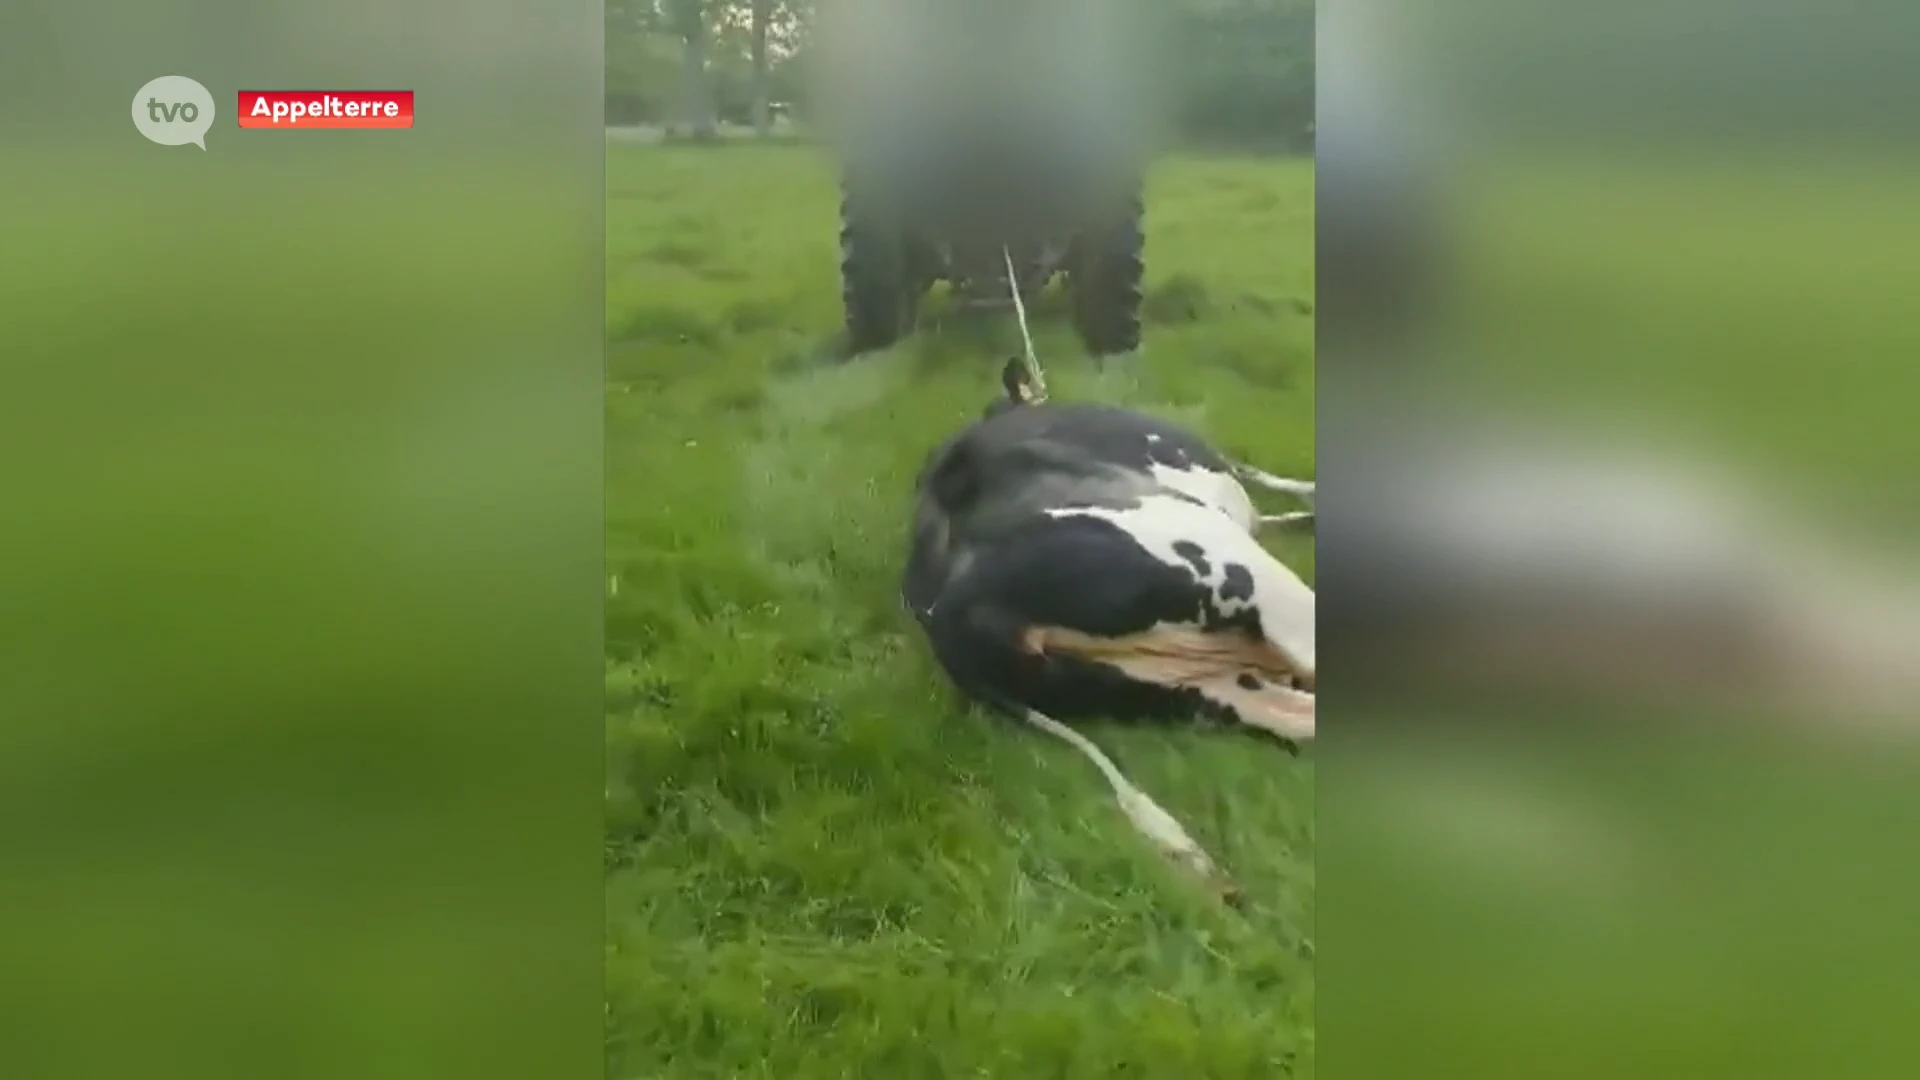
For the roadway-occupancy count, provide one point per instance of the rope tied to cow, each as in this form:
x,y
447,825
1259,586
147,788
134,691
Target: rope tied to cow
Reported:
x,y
1037,379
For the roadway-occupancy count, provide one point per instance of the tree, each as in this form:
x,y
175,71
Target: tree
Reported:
x,y
690,20
1236,71
1248,70
642,63
762,16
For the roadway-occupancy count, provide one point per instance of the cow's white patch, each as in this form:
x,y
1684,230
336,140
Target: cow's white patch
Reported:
x,y
1163,522
1217,489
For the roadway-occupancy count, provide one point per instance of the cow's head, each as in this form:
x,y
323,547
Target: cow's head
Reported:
x,y
1018,387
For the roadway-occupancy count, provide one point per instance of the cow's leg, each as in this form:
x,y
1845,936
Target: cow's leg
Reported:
x,y
1301,489
1292,517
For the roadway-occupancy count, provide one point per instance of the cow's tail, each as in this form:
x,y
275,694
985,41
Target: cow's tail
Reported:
x,y
1147,816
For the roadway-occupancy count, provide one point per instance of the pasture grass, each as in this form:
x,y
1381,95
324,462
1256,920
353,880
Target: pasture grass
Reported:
x,y
819,863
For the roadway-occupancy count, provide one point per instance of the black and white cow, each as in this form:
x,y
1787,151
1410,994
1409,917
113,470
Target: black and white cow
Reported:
x,y
1079,560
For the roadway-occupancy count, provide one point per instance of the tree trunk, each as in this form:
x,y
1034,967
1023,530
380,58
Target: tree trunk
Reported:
x,y
697,101
762,118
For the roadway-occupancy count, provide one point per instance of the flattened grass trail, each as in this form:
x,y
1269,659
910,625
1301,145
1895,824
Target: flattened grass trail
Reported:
x,y
818,863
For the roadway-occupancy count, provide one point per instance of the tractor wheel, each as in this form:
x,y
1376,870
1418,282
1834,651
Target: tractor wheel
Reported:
x,y
877,286
1103,277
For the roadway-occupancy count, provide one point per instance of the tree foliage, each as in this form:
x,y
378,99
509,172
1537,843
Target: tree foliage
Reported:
x,y
1245,70
1225,70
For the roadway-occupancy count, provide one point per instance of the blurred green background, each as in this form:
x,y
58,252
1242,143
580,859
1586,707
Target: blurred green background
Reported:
x,y
1681,233
300,578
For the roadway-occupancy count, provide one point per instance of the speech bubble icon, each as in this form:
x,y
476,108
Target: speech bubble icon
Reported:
x,y
173,110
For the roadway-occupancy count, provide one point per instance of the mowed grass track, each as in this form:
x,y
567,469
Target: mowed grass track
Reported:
x,y
819,863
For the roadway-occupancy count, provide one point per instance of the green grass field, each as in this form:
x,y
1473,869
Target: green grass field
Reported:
x,y
818,862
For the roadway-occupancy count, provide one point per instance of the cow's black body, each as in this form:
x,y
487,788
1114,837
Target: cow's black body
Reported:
x,y
988,560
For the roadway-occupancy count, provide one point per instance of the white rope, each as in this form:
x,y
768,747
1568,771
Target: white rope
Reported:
x,y
1026,336
1147,816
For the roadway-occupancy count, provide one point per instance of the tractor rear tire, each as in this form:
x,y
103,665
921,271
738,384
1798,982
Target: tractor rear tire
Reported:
x,y
877,285
1104,278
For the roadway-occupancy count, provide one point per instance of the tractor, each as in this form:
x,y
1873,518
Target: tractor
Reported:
x,y
967,143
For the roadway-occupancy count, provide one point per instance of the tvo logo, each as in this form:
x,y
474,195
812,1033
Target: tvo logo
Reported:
x,y
173,110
